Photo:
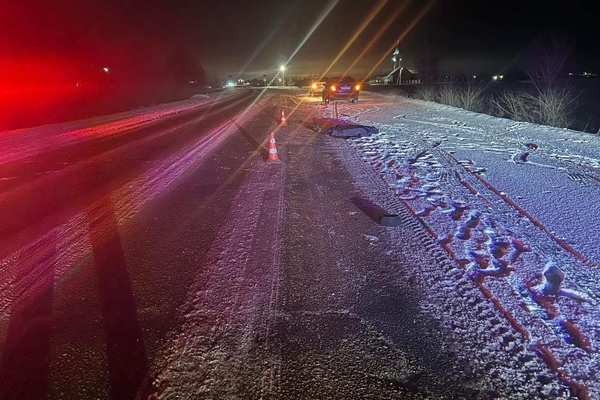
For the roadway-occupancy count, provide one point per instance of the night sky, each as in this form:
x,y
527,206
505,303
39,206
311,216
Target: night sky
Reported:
x,y
226,36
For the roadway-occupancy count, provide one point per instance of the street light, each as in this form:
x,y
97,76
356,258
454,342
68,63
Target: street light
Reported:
x,y
282,70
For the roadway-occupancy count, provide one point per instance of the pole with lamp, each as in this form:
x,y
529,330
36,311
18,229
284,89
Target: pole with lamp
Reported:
x,y
282,70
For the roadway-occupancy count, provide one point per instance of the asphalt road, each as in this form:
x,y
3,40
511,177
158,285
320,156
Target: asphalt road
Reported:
x,y
100,239
169,260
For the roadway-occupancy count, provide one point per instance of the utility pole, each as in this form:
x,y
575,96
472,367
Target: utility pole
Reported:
x,y
397,60
282,69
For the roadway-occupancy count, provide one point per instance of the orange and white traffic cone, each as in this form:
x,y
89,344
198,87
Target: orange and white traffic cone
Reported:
x,y
283,119
273,156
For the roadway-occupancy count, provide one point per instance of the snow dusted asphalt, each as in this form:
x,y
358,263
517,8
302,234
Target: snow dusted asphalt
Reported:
x,y
21,144
449,304
507,201
154,254
100,236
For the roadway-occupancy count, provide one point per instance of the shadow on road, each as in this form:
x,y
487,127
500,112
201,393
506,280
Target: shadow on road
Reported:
x,y
26,354
258,147
127,360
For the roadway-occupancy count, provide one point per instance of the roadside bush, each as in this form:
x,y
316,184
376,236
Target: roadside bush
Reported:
x,y
556,107
552,107
514,105
450,95
427,93
555,103
471,98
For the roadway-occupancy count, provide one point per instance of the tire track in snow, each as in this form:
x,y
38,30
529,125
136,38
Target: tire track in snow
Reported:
x,y
223,347
459,304
478,188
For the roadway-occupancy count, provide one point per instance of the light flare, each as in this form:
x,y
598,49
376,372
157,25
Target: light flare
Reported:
x,y
330,6
374,12
406,31
377,36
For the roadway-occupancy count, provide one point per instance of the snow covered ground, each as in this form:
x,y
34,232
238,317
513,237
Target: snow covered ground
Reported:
x,y
515,205
23,143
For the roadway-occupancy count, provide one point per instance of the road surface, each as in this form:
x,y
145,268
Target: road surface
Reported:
x,y
156,254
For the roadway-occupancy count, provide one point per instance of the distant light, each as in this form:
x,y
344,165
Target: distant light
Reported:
x,y
282,68
495,77
357,87
230,84
314,85
474,76
280,80
333,88
500,77
106,70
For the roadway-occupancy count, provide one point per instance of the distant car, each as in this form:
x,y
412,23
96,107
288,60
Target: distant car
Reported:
x,y
341,88
316,88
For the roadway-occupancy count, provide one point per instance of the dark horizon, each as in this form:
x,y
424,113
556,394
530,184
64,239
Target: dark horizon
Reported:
x,y
70,59
225,37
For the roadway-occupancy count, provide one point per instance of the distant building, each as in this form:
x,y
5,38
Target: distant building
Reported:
x,y
402,76
397,77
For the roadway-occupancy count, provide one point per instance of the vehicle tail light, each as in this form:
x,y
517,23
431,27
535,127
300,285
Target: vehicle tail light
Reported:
x,y
333,88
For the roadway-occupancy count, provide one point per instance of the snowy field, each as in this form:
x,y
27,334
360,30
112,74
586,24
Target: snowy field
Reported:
x,y
516,207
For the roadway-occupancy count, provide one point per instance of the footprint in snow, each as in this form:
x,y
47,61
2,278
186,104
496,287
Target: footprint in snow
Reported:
x,y
524,155
553,279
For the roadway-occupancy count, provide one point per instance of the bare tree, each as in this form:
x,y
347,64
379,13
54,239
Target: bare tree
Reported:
x,y
554,102
516,105
427,93
547,60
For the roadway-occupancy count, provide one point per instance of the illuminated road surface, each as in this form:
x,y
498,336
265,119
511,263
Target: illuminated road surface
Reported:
x,y
156,254
102,228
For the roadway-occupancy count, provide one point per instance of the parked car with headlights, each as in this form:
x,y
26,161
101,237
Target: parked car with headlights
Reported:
x,y
341,88
316,88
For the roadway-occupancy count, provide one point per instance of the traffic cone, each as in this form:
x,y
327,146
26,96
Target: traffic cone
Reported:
x,y
273,156
283,119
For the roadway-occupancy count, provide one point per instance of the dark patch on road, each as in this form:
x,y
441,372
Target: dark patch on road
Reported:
x,y
375,212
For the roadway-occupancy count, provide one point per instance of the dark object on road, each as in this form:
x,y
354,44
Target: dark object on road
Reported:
x,y
523,156
341,88
532,146
342,129
376,213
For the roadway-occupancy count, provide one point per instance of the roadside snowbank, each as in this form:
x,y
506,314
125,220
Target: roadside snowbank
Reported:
x,y
514,206
23,143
